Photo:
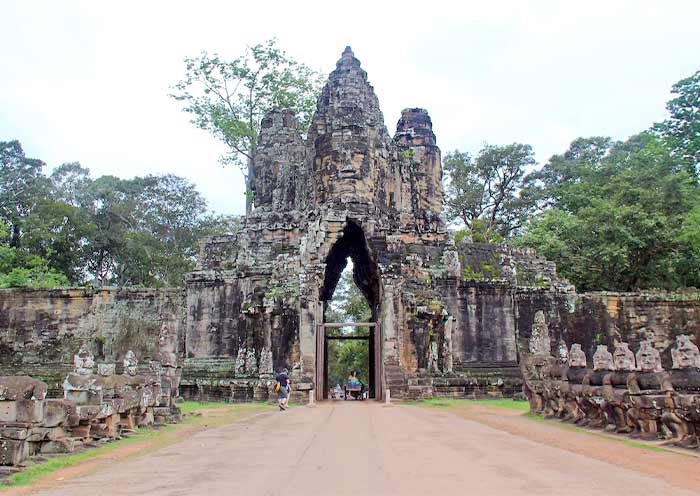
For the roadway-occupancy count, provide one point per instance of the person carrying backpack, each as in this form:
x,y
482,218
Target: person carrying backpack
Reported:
x,y
283,387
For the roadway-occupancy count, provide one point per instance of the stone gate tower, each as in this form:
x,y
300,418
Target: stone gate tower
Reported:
x,y
351,190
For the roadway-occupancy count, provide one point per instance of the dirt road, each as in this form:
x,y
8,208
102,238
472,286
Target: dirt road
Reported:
x,y
358,448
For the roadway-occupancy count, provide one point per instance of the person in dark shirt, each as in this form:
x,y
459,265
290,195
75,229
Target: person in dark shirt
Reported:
x,y
285,387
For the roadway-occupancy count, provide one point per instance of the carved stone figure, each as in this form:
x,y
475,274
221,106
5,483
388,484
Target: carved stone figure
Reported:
x,y
682,415
556,384
648,358
240,362
577,357
266,366
251,363
617,401
576,374
685,353
167,346
592,394
539,339
602,358
130,363
450,259
447,359
170,370
433,358
623,357
84,361
648,389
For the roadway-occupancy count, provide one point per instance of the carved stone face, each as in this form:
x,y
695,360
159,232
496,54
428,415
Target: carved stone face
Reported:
x,y
623,358
577,358
130,363
562,353
685,353
602,359
648,358
83,361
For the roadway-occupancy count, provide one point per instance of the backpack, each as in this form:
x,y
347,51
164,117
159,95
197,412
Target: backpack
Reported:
x,y
277,387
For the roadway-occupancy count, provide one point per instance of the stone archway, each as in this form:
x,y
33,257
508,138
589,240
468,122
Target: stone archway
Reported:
x,y
351,245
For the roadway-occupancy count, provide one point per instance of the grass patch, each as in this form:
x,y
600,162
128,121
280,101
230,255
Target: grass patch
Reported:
x,y
152,439
35,471
458,402
193,406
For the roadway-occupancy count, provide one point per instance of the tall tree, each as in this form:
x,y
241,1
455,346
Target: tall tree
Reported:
x,y
22,185
230,98
482,193
682,128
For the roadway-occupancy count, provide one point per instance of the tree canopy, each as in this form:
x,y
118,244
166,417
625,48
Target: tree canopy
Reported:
x,y
229,98
613,215
68,228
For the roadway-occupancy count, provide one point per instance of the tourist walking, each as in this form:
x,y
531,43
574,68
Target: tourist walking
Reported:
x,y
284,389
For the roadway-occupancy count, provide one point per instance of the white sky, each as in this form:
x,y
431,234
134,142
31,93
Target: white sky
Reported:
x,y
88,81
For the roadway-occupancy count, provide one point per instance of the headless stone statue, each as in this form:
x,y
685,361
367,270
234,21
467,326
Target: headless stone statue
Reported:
x,y
447,359
266,366
536,364
682,416
433,358
539,340
168,359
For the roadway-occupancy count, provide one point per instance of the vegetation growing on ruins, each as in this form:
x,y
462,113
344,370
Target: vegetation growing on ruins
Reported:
x,y
613,215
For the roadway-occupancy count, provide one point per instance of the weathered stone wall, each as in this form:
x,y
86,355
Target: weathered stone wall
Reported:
x,y
41,330
609,318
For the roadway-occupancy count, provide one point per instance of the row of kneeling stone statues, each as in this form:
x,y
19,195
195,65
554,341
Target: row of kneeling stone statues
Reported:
x,y
625,392
100,405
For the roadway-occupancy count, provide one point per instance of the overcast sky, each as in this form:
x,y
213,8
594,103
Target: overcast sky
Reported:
x,y
88,82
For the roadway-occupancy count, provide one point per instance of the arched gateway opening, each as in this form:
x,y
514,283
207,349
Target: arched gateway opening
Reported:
x,y
351,246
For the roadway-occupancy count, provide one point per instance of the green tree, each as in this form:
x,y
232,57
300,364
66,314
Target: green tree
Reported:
x,y
21,269
682,128
614,215
230,98
22,185
483,192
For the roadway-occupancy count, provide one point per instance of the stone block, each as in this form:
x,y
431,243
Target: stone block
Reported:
x,y
66,445
13,452
88,412
37,434
8,411
56,413
108,428
30,411
55,433
80,431
21,388
16,433
146,418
